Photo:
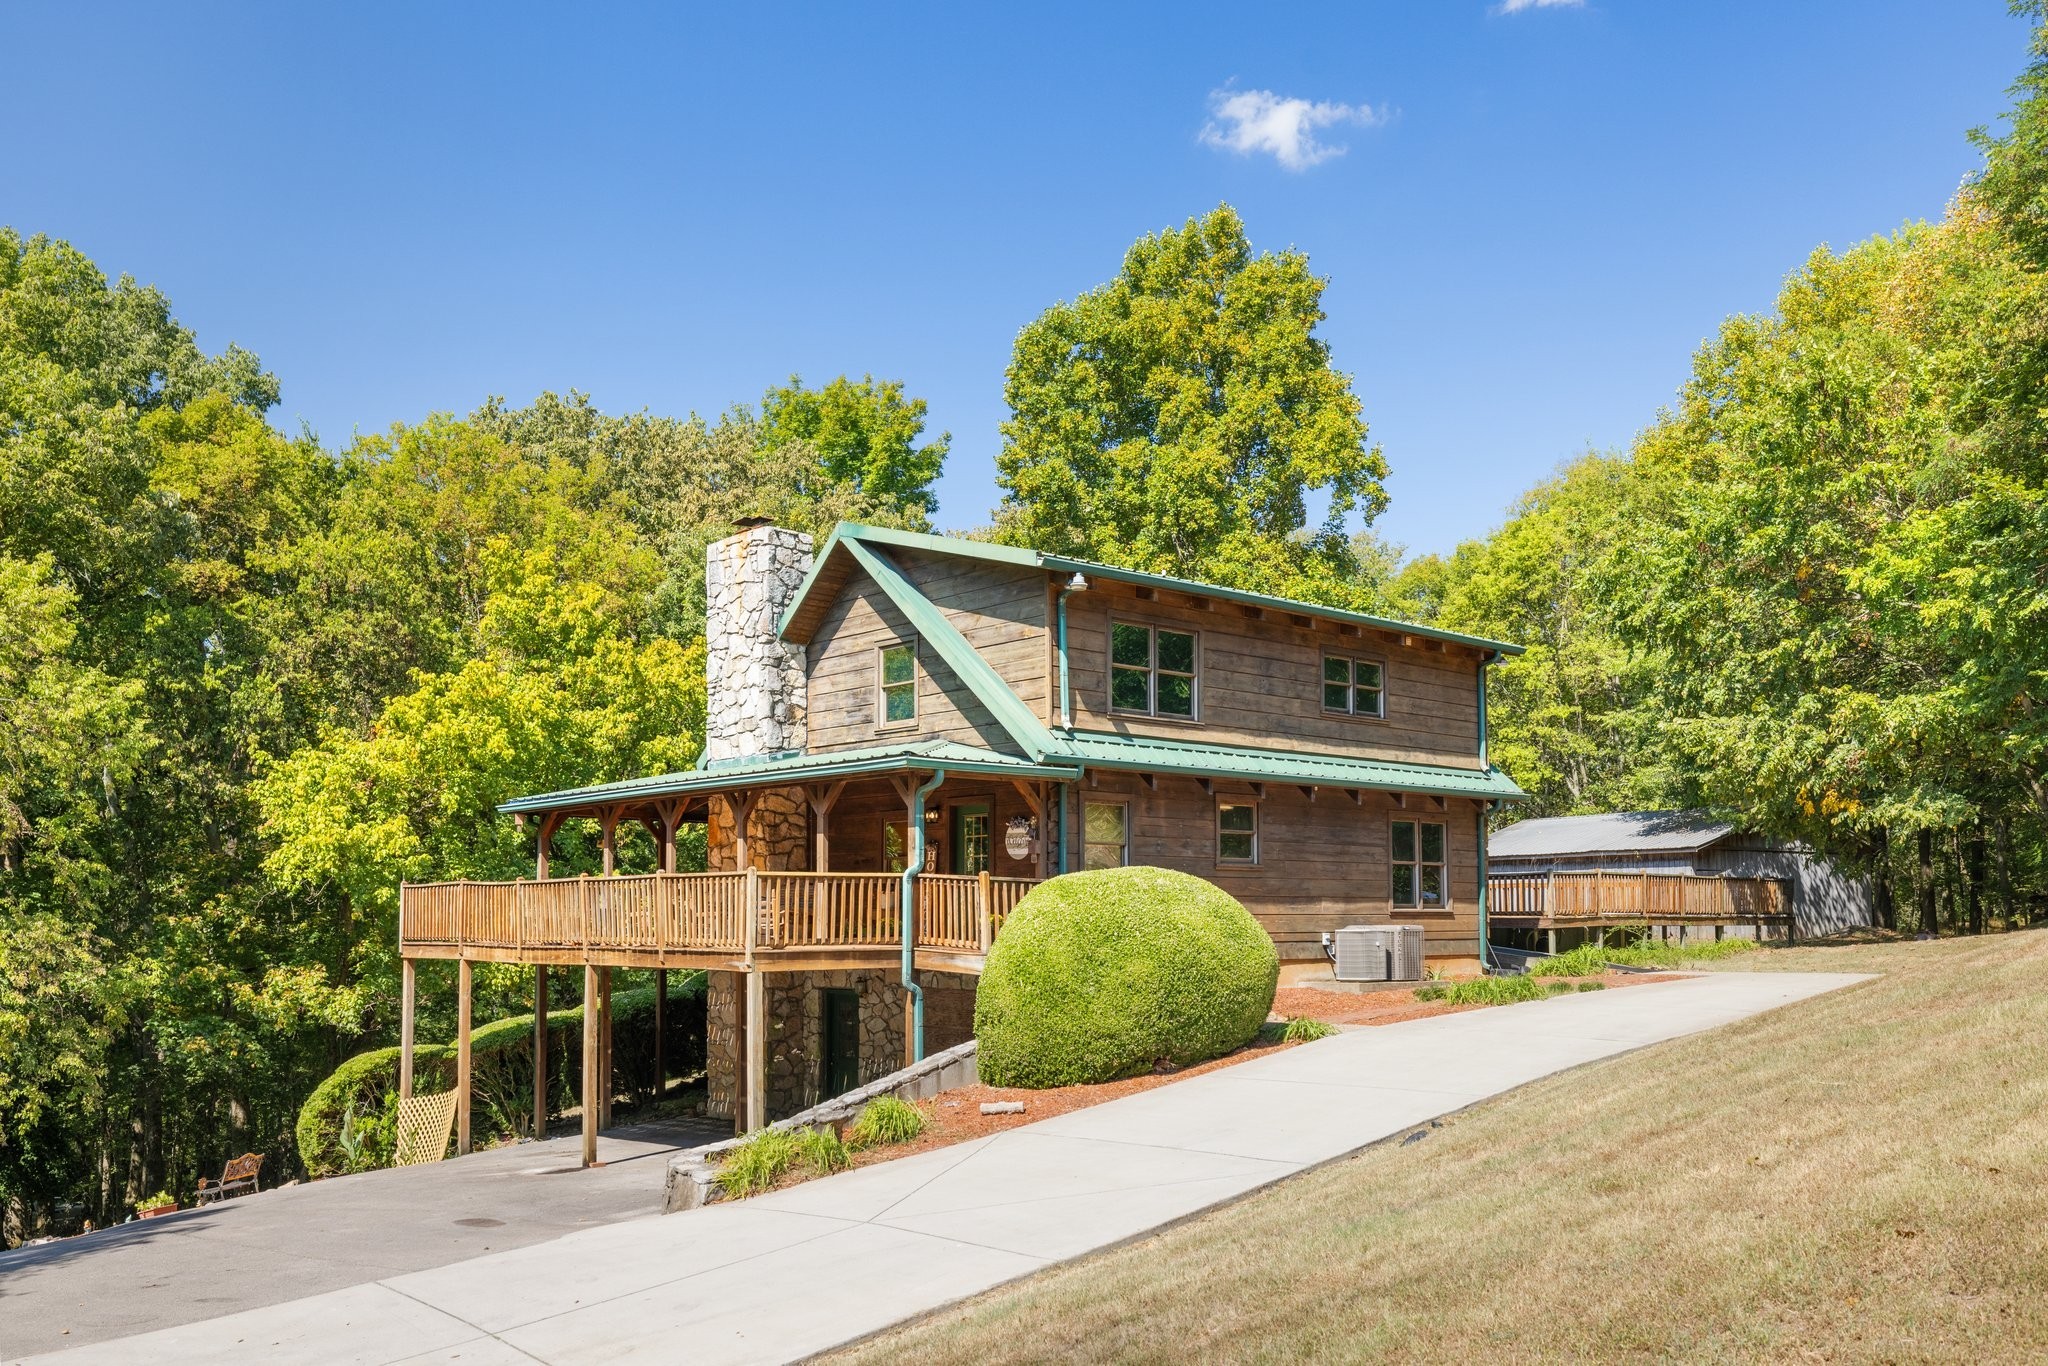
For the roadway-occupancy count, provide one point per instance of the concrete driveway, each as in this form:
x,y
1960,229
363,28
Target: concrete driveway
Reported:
x,y
287,1244
799,1271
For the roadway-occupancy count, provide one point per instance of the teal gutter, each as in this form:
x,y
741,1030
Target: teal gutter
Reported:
x,y
962,658
911,868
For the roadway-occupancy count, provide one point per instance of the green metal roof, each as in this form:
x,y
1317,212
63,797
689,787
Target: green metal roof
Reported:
x,y
981,679
853,533
910,756
1137,753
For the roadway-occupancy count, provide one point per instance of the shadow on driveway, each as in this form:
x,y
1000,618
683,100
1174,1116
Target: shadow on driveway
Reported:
x,y
303,1240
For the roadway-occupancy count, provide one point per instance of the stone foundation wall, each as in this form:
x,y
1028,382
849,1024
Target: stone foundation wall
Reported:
x,y
795,1011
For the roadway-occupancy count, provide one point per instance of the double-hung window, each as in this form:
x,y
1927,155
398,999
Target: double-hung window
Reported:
x,y
1418,859
1356,687
1237,832
897,672
1151,670
1105,835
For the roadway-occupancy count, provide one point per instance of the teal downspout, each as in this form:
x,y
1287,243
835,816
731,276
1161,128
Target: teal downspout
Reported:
x,y
1076,583
1485,809
911,868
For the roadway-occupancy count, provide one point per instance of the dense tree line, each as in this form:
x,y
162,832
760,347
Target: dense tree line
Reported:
x,y
248,684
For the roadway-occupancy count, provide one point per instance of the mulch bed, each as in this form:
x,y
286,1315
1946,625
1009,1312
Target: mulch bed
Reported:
x,y
1392,1007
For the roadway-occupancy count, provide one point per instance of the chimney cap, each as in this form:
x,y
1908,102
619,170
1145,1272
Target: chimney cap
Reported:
x,y
751,522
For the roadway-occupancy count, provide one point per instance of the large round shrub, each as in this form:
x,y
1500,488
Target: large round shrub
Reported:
x,y
1103,975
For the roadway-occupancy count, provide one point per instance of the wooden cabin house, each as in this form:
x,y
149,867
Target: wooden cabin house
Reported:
x,y
907,732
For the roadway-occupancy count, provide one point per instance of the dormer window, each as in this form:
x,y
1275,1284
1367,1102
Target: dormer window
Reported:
x,y
1151,670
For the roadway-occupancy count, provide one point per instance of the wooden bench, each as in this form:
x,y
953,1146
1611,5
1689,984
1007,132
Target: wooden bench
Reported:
x,y
237,1178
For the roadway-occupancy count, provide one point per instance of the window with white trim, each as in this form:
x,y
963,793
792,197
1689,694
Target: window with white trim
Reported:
x,y
1151,670
1237,832
897,676
1105,835
1418,863
1355,687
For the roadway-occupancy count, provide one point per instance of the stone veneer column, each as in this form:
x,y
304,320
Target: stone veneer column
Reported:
x,y
756,686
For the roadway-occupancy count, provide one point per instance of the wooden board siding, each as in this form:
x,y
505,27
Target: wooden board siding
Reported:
x,y
1322,864
843,659
1261,682
1000,609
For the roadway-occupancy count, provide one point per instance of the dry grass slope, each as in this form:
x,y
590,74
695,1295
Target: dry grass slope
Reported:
x,y
1862,1177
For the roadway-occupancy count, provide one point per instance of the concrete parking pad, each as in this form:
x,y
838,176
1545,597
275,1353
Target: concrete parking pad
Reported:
x,y
796,1272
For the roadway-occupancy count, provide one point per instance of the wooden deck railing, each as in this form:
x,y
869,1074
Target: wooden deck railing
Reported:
x,y
705,912
1564,897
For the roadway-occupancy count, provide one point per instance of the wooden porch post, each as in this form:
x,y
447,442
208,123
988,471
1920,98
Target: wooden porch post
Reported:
x,y
660,1022
609,823
462,982
822,801
589,1065
742,809
540,1051
988,926
548,824
405,1028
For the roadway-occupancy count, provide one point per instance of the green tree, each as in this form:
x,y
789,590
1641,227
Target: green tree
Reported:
x,y
1178,418
866,438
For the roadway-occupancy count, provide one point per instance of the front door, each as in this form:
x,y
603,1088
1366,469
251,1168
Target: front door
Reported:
x,y
971,838
842,1042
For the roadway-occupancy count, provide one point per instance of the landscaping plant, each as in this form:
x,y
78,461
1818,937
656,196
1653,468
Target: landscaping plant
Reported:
x,y
1107,974
883,1120
1301,1029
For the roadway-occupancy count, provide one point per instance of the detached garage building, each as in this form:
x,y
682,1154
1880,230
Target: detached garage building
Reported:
x,y
1682,873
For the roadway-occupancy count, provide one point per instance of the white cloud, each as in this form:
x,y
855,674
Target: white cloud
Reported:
x,y
1248,121
1518,6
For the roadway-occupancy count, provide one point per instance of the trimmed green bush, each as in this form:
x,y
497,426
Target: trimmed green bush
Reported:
x,y
1107,974
348,1123
885,1119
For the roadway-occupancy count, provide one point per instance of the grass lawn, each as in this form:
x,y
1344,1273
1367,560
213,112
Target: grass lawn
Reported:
x,y
1859,1177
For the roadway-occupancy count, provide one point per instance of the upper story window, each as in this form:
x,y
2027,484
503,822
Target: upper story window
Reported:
x,y
1151,670
1356,687
1418,849
898,674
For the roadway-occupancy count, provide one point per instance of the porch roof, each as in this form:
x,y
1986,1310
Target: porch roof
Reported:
x,y
1147,754
799,767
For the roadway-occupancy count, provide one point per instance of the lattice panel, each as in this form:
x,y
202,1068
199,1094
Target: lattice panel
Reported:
x,y
424,1123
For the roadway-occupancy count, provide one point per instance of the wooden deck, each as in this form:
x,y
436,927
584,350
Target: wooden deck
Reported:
x,y
786,922
1563,900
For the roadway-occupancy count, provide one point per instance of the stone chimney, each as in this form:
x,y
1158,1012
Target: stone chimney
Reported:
x,y
757,685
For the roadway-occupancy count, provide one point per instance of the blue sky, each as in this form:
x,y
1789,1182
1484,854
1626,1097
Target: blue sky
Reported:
x,y
1534,219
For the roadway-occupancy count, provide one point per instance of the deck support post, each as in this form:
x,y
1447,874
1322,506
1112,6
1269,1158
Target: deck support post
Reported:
x,y
604,1071
757,1049
462,994
540,1051
755,1056
406,990
546,833
609,824
589,1065
660,1024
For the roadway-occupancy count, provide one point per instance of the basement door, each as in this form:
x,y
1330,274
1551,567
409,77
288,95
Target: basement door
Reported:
x,y
842,1042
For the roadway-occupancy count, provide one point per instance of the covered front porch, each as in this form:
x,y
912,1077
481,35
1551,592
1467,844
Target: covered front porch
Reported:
x,y
810,860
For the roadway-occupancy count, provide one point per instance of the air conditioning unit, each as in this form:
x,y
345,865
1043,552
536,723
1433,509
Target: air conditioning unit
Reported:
x,y
1379,953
